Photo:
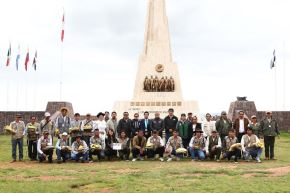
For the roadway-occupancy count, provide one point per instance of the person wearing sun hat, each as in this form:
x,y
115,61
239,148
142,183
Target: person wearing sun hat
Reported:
x,y
62,148
87,128
270,130
101,125
46,125
32,133
63,122
18,127
197,145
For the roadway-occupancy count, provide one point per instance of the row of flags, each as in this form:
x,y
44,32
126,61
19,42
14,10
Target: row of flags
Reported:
x,y
26,62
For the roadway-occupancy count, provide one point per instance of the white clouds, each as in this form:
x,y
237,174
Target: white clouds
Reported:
x,y
218,45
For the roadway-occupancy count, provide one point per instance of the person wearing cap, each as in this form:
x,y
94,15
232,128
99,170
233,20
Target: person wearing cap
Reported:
x,y
255,126
76,126
174,142
124,153
43,143
158,124
79,150
213,146
101,125
223,125
87,128
208,125
184,130
270,130
138,146
46,125
63,122
229,141
62,148
241,125
146,125
18,127
157,146
31,131
125,124
96,140
113,122
197,145
250,146
170,122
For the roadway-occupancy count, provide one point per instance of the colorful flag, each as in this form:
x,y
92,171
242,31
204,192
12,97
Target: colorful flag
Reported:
x,y
62,28
273,61
34,60
26,60
18,58
8,55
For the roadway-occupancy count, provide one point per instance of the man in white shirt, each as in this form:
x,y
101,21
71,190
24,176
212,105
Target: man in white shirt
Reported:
x,y
157,146
241,125
44,147
251,146
208,125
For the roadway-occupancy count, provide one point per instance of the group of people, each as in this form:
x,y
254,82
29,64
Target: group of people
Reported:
x,y
173,138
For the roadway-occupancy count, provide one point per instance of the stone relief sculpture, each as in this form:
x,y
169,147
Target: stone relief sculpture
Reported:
x,y
154,84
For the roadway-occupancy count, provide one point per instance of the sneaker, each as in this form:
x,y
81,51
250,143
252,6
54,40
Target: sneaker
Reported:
x,y
141,159
161,159
91,161
247,160
236,162
218,160
258,160
133,160
169,159
177,159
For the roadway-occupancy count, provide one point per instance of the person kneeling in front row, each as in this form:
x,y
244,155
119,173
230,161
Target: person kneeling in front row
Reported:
x,y
63,150
173,144
197,145
97,146
155,145
44,147
139,144
79,150
251,146
213,146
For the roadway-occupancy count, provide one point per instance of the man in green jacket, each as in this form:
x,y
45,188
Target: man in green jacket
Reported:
x,y
183,127
270,131
223,125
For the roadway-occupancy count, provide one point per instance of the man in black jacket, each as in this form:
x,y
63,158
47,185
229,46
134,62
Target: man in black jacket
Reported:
x,y
125,124
194,126
146,125
170,122
158,124
136,125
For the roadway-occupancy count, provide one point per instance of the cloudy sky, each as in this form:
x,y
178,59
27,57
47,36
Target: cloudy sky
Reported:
x,y
223,50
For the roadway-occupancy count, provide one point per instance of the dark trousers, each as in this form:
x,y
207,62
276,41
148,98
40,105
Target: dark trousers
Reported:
x,y
64,155
151,152
239,136
236,153
48,153
136,152
87,140
124,153
185,142
216,152
167,136
98,152
18,142
269,145
110,153
32,149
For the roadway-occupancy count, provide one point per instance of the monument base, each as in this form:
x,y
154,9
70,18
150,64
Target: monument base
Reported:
x,y
152,107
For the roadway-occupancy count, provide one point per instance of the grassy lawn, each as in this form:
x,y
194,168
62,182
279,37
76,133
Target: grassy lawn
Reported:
x,y
146,176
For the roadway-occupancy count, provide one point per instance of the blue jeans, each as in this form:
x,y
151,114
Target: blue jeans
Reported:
x,y
77,156
18,142
253,152
197,153
64,155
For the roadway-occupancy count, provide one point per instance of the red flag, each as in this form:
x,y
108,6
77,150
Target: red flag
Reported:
x,y
26,60
8,56
62,30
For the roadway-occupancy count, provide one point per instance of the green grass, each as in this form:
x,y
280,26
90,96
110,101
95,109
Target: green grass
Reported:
x,y
146,176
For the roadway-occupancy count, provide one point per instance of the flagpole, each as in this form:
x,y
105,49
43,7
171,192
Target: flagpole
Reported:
x,y
284,77
275,77
61,72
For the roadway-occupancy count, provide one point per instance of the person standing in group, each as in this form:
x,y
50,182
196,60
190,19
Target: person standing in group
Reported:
x,y
101,125
76,127
63,122
183,128
146,125
270,130
18,132
223,125
31,131
255,126
107,116
195,125
157,124
135,127
113,122
125,124
47,125
208,126
189,117
241,125
87,129
170,122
